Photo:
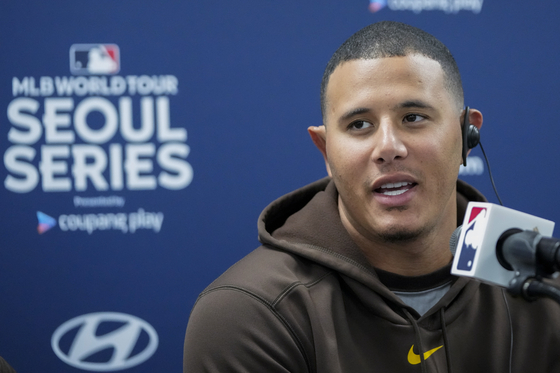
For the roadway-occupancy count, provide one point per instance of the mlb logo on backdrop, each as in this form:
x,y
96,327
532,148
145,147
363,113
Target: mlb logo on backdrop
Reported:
x,y
94,59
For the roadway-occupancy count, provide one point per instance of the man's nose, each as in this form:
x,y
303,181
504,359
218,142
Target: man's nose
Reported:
x,y
388,145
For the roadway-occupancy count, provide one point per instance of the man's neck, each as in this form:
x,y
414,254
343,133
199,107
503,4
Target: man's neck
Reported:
x,y
403,261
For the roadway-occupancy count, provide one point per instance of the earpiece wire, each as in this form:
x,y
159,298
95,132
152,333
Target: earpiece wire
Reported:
x,y
490,173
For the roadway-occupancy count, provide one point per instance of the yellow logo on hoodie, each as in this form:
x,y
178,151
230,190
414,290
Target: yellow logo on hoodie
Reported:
x,y
415,359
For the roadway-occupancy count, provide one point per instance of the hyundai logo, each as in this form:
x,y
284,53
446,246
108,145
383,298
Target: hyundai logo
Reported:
x,y
104,341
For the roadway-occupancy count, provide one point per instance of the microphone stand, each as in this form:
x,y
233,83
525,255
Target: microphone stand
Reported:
x,y
532,288
535,289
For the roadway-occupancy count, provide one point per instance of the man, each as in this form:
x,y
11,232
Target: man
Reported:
x,y
354,271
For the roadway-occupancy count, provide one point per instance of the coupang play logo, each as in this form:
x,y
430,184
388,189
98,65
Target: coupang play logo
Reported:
x,y
45,223
131,222
448,6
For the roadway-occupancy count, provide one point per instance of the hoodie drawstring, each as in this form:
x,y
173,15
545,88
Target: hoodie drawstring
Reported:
x,y
418,339
445,340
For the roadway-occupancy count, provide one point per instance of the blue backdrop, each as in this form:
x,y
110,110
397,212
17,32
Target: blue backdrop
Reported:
x,y
141,140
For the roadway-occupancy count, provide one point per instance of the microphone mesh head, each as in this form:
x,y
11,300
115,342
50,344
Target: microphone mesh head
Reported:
x,y
454,241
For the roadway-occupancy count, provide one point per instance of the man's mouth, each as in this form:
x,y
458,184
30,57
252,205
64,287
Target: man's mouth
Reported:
x,y
395,189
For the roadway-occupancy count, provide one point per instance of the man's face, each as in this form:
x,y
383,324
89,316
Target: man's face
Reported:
x,y
393,146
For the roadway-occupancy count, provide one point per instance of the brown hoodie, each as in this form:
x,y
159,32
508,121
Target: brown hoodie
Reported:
x,y
308,301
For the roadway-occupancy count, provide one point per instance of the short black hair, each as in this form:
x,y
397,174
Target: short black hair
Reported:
x,y
394,39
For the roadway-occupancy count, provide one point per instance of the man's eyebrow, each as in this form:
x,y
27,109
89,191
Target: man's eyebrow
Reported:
x,y
351,113
413,104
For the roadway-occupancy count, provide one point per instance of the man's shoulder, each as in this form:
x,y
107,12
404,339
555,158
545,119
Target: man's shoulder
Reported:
x,y
238,322
268,273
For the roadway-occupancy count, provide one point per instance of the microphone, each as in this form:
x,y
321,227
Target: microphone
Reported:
x,y
496,243
525,250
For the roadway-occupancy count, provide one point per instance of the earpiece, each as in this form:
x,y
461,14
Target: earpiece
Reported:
x,y
471,136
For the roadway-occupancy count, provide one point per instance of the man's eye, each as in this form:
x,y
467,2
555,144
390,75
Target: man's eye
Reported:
x,y
413,118
360,124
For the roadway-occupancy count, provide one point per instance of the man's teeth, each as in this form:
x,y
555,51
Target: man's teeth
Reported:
x,y
384,188
395,192
395,185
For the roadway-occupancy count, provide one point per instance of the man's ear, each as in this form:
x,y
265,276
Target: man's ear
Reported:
x,y
475,118
319,137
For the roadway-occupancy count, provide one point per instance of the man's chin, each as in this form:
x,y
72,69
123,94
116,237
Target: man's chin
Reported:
x,y
400,235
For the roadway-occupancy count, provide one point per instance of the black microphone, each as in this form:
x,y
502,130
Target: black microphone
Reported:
x,y
521,250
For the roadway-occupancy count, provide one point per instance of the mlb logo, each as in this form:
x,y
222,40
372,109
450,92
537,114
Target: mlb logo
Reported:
x,y
473,237
94,59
